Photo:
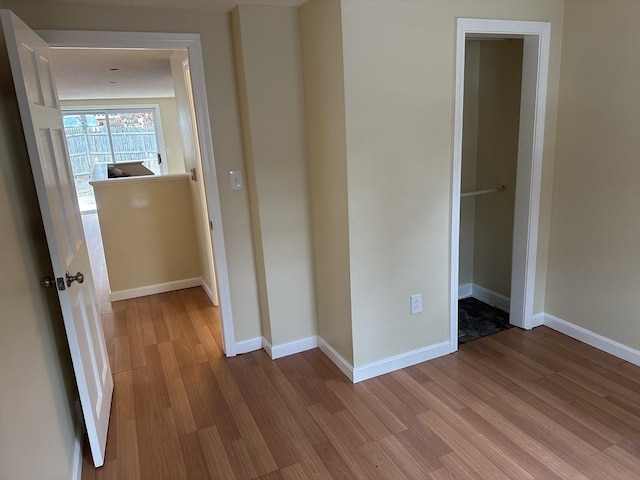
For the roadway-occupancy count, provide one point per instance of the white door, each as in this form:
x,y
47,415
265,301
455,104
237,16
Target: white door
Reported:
x,y
42,124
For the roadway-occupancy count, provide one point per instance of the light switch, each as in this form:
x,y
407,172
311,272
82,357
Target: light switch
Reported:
x,y
235,179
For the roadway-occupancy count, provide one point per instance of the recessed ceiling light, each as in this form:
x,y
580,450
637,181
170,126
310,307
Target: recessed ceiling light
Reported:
x,y
114,69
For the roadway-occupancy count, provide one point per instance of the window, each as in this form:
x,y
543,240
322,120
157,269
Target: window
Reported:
x,y
111,135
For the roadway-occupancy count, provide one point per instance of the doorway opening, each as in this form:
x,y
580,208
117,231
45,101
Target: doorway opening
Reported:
x,y
208,217
111,134
501,78
492,85
111,102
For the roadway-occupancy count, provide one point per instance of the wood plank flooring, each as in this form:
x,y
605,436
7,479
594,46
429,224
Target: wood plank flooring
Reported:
x,y
516,405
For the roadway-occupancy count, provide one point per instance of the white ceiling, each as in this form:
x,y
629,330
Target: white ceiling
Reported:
x,y
202,5
85,73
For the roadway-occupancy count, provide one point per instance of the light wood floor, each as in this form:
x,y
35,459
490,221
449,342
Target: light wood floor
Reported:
x,y
518,405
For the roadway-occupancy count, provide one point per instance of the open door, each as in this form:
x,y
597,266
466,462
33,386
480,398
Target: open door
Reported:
x,y
42,124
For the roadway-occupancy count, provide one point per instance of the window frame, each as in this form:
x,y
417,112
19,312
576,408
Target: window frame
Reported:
x,y
133,108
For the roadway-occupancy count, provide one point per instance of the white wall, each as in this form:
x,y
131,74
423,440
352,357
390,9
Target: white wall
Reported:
x,y
267,46
594,247
37,393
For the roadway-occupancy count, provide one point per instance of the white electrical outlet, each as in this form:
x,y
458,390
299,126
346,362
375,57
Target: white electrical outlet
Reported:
x,y
416,303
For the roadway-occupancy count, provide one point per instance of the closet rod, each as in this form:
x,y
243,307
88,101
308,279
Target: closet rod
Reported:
x,y
483,192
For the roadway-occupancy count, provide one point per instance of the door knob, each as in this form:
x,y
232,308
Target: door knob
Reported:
x,y
78,277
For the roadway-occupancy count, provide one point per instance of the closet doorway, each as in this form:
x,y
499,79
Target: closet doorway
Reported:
x,y
492,86
501,80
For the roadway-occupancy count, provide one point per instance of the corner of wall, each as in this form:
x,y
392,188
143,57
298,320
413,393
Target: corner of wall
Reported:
x,y
247,142
323,77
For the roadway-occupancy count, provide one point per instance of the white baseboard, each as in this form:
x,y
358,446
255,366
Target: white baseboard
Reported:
x,y
387,365
76,463
605,344
492,298
153,289
537,320
403,360
276,351
250,345
465,290
209,292
267,347
484,294
344,366
291,348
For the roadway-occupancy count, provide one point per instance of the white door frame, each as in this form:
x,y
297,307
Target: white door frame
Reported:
x,y
535,69
176,41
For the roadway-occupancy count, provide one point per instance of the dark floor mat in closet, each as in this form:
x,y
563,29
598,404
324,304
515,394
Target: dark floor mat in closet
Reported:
x,y
477,319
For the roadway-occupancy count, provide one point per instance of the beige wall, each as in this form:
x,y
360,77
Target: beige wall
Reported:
x,y
267,46
148,231
168,119
594,248
192,160
500,79
218,63
321,28
469,161
399,95
250,181
37,416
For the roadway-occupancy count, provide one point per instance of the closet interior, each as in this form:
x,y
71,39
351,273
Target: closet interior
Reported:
x,y
492,88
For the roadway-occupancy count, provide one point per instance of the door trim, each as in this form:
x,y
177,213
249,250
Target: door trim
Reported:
x,y
536,36
191,43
